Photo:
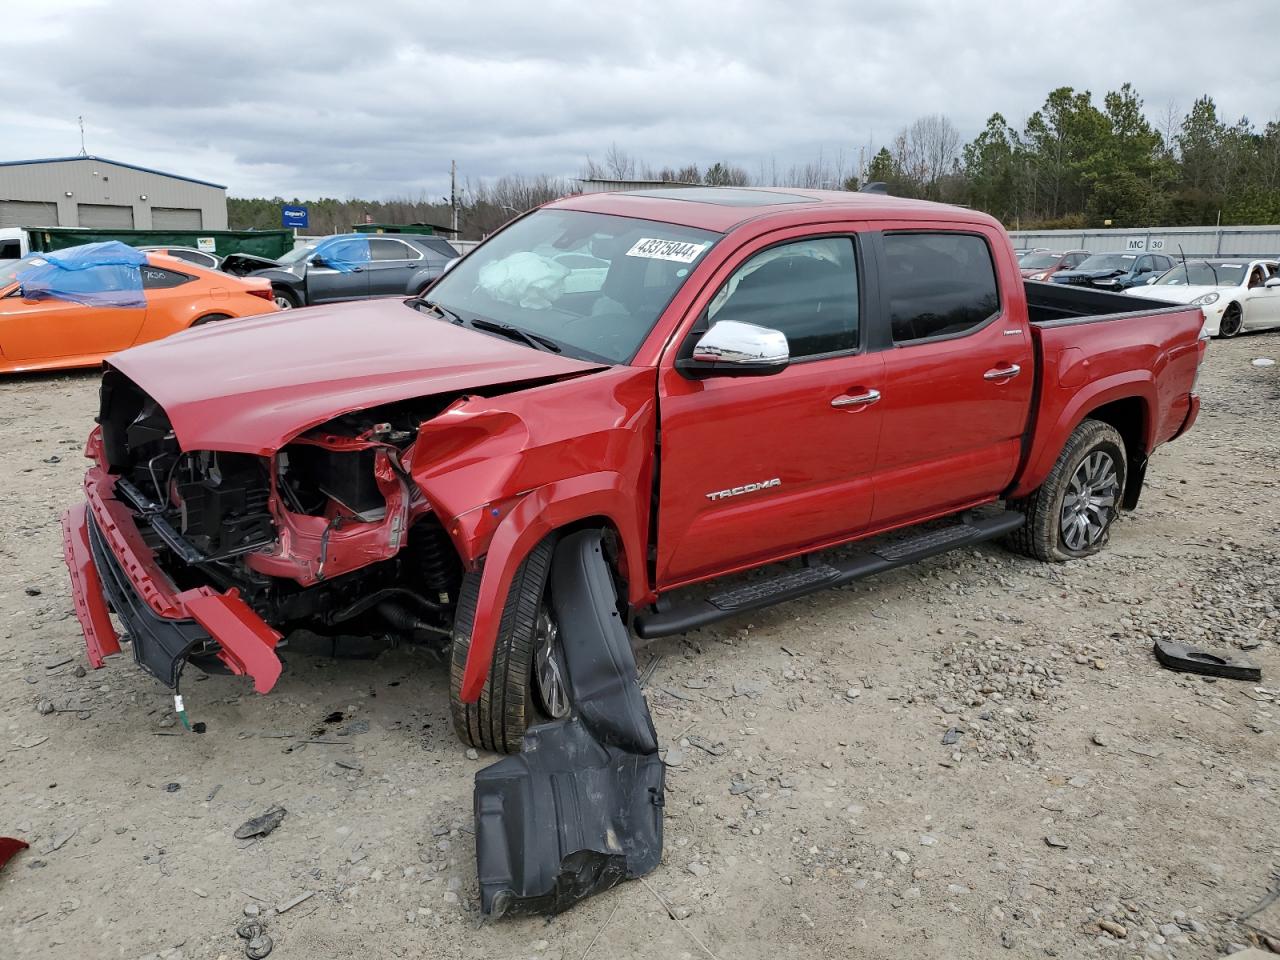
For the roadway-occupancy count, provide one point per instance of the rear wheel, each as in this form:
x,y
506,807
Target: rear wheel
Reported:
x,y
527,681
284,300
1071,513
1232,321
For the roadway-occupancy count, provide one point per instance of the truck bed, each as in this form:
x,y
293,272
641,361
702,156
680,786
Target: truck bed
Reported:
x,y
1133,359
1053,304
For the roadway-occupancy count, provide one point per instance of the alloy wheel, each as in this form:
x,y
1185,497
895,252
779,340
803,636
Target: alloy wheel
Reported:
x,y
1231,322
1090,502
283,302
548,666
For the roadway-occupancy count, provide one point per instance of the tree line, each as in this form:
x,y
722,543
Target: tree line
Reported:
x,y
1072,163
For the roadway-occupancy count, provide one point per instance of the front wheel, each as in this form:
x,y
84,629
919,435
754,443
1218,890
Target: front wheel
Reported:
x,y
1070,515
284,300
527,681
1232,322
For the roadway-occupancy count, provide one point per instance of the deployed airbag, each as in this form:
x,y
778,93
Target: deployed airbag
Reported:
x,y
579,809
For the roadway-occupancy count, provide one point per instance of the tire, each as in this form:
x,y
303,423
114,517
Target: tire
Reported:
x,y
1093,459
1232,321
211,318
513,699
284,299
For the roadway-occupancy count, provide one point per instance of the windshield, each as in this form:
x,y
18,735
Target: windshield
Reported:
x,y
297,253
1038,261
1109,261
594,284
1205,273
9,269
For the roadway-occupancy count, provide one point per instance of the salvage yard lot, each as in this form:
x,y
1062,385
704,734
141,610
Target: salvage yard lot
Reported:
x,y
813,807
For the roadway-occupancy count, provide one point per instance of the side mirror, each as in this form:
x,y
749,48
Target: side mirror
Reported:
x,y
318,262
732,348
1273,283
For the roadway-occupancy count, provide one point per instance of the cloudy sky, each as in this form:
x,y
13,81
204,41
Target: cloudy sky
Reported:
x,y
374,99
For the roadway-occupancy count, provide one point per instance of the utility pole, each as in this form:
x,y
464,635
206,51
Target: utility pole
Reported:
x,y
453,194
83,151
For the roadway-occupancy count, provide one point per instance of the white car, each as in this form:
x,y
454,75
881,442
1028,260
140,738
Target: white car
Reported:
x,y
1235,294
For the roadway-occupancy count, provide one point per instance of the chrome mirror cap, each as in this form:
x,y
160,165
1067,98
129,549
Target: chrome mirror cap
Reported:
x,y
734,342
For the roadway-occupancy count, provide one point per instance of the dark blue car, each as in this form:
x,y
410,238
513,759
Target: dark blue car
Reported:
x,y
1115,271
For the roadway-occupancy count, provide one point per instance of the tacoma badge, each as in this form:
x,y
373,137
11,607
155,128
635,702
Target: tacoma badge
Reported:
x,y
745,488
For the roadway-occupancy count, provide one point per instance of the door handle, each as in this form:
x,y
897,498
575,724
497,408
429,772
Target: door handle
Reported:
x,y
1002,373
856,399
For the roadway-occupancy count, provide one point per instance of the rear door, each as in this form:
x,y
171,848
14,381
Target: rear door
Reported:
x,y
391,263
755,468
344,274
52,328
959,377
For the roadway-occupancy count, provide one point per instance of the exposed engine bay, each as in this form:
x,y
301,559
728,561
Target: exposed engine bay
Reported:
x,y
330,532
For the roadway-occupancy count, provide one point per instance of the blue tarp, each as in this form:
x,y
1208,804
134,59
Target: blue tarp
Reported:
x,y
344,254
95,274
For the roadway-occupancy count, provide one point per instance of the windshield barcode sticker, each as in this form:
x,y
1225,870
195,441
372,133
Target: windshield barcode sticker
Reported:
x,y
678,250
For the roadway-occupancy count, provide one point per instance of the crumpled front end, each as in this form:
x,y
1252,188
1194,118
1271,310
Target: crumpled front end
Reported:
x,y
216,555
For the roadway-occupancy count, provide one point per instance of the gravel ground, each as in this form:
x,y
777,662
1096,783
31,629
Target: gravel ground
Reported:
x,y
974,757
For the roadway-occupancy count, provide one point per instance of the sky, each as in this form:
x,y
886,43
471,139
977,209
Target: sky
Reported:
x,y
373,100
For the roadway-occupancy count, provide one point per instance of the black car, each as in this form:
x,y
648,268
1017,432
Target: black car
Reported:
x,y
350,266
1115,271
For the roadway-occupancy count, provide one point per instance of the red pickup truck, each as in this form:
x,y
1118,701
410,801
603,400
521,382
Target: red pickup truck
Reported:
x,y
718,379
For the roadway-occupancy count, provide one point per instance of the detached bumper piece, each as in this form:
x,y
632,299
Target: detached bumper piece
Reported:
x,y
1187,659
160,646
579,809
112,571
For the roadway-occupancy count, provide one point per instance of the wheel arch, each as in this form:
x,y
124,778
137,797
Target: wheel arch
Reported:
x,y
1126,402
592,501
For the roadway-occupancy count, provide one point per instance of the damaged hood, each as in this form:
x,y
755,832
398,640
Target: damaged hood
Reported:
x,y
249,386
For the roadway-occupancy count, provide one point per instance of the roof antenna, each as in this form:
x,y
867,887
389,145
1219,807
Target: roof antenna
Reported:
x,y
83,151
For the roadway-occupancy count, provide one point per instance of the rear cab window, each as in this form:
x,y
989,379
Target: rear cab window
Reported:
x,y
938,284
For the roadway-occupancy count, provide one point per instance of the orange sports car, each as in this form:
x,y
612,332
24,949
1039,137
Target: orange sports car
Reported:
x,y
73,309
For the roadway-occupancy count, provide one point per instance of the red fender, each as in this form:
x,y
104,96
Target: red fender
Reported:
x,y
1056,428
537,514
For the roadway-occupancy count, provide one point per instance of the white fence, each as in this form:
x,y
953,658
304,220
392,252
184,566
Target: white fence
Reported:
x,y
1193,241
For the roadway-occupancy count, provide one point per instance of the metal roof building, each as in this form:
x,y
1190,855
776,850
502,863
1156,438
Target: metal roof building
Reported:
x,y
89,191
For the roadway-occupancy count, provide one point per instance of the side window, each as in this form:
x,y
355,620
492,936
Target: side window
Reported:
x,y
1144,265
346,251
153,278
1078,258
938,284
384,249
10,249
808,290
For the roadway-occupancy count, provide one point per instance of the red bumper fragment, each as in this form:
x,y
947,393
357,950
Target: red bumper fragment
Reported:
x,y
246,643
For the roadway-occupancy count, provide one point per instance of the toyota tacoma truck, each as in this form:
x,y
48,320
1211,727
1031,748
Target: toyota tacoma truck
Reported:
x,y
714,380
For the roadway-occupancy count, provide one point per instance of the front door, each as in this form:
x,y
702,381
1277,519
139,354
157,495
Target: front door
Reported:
x,y
342,273
50,328
958,380
1262,303
756,468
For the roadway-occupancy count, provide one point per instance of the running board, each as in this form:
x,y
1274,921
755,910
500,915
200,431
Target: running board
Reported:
x,y
690,615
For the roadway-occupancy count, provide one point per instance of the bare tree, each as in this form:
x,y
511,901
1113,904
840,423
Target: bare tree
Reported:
x,y
621,165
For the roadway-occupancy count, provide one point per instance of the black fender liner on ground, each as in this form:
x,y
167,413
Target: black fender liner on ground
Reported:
x,y
579,809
